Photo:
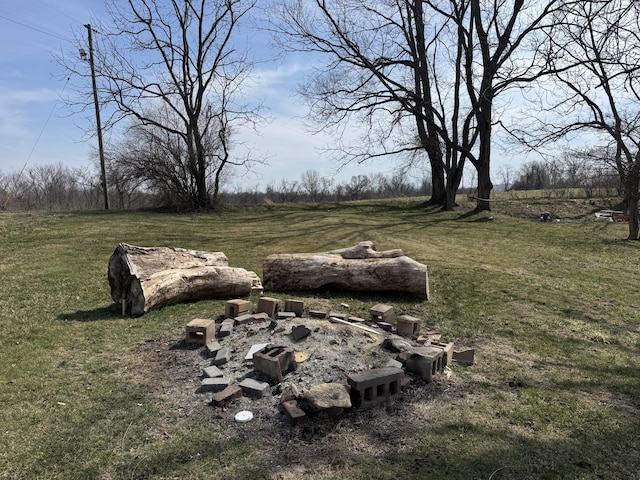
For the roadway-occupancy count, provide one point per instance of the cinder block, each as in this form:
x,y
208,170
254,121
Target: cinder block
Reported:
x,y
200,331
268,305
448,352
226,396
424,361
382,313
244,319
226,328
212,372
376,385
214,384
222,357
235,308
317,314
295,413
407,325
338,315
254,388
213,347
295,306
275,362
285,315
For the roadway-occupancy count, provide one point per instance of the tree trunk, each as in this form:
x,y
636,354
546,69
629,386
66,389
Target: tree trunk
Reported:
x,y
359,268
142,279
633,196
482,165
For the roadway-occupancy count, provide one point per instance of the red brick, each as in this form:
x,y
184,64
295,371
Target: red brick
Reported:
x,y
295,413
226,396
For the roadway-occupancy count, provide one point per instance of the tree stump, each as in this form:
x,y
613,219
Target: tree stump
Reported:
x,y
146,278
359,268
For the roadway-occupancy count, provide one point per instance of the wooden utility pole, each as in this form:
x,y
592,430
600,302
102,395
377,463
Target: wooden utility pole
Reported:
x,y
103,171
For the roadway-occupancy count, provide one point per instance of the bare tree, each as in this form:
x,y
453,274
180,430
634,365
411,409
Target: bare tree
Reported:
x,y
181,58
595,52
422,76
315,185
380,73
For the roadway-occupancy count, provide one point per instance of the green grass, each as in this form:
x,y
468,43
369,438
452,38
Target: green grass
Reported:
x,y
553,311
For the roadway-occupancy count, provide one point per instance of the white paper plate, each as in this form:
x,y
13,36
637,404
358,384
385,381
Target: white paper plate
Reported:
x,y
244,416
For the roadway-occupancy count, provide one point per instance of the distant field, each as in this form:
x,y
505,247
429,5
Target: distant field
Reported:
x,y
552,309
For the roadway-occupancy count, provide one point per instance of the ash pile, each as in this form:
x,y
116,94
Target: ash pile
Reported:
x,y
308,361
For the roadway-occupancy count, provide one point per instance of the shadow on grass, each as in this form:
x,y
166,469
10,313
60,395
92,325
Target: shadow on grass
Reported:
x,y
110,312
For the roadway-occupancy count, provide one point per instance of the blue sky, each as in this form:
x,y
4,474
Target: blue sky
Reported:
x,y
36,128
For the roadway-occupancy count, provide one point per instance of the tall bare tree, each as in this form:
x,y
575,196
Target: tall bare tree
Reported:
x,y
595,52
381,74
421,75
182,58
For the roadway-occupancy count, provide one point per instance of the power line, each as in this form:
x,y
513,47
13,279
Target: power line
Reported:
x,y
15,183
33,26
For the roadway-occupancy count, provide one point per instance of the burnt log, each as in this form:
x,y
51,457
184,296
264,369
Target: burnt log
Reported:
x,y
359,268
146,278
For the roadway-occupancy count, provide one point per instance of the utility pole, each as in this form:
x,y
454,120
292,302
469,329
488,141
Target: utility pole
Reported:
x,y
103,170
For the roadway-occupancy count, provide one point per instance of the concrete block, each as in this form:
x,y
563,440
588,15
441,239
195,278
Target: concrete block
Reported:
x,y
407,326
285,315
244,319
375,385
200,331
222,357
254,388
317,314
295,306
424,362
448,352
275,362
213,347
226,396
339,315
269,305
226,328
235,308
212,372
382,313
214,384
295,413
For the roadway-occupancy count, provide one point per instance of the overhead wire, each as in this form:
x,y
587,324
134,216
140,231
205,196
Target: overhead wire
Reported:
x,y
46,123
33,26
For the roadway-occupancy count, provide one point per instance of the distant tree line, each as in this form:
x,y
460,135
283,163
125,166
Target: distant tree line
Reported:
x,y
57,187
572,171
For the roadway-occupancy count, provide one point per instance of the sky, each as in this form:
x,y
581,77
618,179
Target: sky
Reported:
x,y
37,128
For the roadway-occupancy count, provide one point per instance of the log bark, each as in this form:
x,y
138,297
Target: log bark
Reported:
x,y
359,268
146,278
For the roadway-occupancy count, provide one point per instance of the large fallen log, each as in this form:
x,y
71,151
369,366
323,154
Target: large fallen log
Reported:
x,y
359,268
146,278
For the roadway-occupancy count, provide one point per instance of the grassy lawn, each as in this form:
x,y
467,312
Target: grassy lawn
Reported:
x,y
552,309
